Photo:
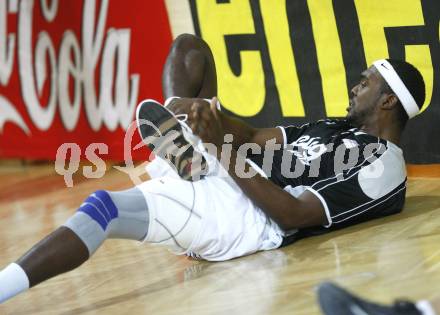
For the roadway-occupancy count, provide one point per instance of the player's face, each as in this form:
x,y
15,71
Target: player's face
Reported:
x,y
364,97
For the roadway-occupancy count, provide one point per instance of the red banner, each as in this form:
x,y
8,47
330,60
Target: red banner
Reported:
x,y
74,71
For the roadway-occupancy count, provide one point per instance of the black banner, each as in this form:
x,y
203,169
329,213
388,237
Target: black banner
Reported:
x,y
289,62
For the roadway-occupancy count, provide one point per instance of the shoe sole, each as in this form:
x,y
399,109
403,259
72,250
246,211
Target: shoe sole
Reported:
x,y
160,130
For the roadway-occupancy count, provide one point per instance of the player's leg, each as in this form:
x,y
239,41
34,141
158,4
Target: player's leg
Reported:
x,y
189,70
160,211
102,215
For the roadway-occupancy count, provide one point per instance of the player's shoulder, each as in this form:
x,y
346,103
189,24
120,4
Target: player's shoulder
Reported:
x,y
339,124
321,122
331,121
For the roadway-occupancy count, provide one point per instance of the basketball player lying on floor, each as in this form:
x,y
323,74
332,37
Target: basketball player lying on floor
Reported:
x,y
224,215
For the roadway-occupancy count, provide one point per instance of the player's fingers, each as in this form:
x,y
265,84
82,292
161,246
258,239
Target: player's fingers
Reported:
x,y
180,106
193,127
199,110
210,113
203,124
199,106
206,114
201,129
194,116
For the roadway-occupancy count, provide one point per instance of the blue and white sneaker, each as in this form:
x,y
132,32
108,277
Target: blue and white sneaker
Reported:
x,y
165,134
336,301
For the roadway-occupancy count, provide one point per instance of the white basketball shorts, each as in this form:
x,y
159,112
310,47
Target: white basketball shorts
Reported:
x,y
210,219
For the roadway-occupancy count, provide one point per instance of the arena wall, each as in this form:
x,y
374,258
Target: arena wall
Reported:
x,y
73,71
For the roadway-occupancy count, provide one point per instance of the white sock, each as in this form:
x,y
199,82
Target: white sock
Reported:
x,y
13,280
425,307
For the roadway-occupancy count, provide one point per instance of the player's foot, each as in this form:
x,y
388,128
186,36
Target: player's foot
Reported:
x,y
164,134
336,301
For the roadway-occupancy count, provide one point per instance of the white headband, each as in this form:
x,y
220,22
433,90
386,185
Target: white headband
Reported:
x,y
396,84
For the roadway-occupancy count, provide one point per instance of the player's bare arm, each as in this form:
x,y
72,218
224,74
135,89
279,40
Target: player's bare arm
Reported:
x,y
242,132
287,211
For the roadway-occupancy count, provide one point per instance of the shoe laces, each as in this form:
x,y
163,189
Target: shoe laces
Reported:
x,y
182,117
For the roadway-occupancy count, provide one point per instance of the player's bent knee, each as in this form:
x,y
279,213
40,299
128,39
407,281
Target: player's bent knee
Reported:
x,y
100,208
133,215
91,221
186,42
126,214
105,214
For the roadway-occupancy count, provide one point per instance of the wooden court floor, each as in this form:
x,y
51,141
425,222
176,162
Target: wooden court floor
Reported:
x,y
391,257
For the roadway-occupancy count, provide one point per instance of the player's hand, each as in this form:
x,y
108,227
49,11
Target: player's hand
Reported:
x,y
183,105
206,123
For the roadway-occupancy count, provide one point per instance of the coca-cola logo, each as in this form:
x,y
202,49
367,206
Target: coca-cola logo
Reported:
x,y
90,69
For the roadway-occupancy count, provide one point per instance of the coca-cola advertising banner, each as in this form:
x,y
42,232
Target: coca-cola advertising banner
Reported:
x,y
72,72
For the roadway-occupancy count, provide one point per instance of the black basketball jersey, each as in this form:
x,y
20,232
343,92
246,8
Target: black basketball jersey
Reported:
x,y
356,176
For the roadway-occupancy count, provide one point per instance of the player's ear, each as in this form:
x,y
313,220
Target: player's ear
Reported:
x,y
389,102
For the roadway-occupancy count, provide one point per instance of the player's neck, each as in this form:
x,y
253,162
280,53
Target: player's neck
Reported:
x,y
383,128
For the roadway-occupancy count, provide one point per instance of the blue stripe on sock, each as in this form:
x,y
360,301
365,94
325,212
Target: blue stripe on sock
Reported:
x,y
100,207
91,211
108,202
94,201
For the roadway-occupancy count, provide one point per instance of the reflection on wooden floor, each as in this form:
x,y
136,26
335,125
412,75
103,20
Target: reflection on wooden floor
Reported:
x,y
383,259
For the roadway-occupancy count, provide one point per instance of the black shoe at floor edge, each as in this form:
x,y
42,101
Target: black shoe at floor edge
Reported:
x,y
337,301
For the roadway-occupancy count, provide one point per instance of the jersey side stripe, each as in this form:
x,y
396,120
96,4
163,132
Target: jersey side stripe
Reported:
x,y
359,213
398,188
